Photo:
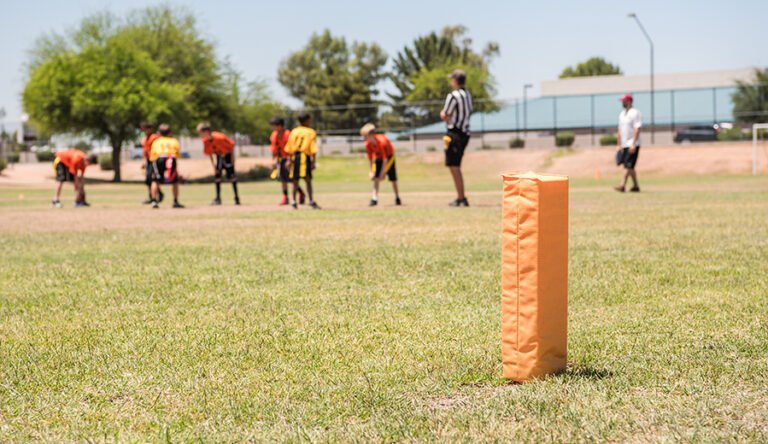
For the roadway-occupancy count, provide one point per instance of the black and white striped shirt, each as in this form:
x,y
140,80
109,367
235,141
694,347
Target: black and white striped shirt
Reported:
x,y
458,108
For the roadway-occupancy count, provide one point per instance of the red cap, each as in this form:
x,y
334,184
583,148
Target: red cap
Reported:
x,y
627,97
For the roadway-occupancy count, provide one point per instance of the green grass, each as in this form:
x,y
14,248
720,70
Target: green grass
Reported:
x,y
122,324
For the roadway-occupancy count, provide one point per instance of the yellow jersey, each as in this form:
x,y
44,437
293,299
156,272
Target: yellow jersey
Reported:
x,y
302,140
165,147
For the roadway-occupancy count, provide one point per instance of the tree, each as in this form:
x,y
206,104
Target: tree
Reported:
x,y
108,75
102,90
420,72
595,66
750,100
328,72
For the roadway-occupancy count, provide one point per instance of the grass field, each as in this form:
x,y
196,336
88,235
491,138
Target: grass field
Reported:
x,y
118,323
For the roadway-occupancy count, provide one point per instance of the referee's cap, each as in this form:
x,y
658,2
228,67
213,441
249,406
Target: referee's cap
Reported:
x,y
367,129
459,75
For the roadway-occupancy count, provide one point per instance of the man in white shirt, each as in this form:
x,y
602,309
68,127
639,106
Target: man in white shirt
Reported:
x,y
628,149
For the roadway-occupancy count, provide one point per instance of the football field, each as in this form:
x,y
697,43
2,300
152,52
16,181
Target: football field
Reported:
x,y
120,323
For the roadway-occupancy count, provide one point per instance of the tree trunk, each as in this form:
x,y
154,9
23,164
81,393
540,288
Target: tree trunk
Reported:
x,y
116,148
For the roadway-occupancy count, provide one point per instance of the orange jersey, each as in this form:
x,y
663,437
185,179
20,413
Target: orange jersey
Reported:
x,y
147,142
277,142
382,149
73,159
218,144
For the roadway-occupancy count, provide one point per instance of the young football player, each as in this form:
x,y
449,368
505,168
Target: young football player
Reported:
x,y
70,166
381,155
164,156
277,141
223,148
302,151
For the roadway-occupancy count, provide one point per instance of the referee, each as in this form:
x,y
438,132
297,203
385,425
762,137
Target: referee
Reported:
x,y
456,114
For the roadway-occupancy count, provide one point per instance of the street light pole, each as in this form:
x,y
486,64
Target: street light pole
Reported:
x,y
650,42
525,109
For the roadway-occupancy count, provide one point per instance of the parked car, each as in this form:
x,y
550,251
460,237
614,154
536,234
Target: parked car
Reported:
x,y
698,133
137,151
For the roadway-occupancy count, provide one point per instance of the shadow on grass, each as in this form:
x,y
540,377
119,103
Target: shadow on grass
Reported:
x,y
586,372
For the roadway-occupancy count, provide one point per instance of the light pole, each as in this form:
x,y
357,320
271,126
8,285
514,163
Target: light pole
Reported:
x,y
525,109
650,42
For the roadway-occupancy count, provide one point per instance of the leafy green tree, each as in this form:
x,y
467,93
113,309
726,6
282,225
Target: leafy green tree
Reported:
x,y
171,36
750,100
420,71
595,66
329,72
108,75
102,90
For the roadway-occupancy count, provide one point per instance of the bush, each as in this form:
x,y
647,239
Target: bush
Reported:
x,y
45,156
259,172
336,153
732,134
516,142
357,150
3,164
105,162
13,157
564,139
609,140
485,146
83,146
431,149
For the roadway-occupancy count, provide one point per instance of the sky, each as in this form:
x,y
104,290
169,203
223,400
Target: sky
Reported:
x,y
538,38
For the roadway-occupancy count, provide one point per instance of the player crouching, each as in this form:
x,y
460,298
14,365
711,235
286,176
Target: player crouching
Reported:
x,y
381,155
70,166
164,156
218,144
301,150
277,141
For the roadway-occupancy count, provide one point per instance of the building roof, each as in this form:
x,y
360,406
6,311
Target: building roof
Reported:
x,y
580,86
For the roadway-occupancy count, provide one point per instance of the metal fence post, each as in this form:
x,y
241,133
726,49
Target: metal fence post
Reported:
x,y
592,117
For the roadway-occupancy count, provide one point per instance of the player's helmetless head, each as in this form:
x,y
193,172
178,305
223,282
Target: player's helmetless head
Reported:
x,y
164,130
305,119
92,159
147,128
368,131
277,123
458,79
204,129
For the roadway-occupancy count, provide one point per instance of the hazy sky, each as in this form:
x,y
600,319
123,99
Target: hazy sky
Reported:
x,y
537,37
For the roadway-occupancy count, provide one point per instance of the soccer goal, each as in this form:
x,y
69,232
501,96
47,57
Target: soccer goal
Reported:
x,y
759,133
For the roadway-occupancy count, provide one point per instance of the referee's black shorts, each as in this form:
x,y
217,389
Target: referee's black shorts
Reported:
x,y
455,145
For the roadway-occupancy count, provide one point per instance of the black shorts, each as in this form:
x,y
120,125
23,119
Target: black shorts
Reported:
x,y
164,170
390,168
455,145
283,175
226,164
302,167
629,160
62,172
149,172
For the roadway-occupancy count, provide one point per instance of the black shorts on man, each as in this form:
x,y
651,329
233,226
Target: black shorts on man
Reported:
x,y
149,172
627,159
455,144
225,164
390,168
283,174
302,167
62,173
165,170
